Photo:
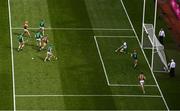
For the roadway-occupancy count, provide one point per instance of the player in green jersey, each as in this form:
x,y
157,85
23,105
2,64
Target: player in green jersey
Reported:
x,y
42,26
49,54
38,37
21,42
135,58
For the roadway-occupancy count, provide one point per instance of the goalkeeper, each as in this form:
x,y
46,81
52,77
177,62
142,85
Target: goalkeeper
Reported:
x,y
122,48
135,58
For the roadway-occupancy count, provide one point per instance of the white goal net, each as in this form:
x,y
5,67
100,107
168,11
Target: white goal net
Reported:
x,y
154,49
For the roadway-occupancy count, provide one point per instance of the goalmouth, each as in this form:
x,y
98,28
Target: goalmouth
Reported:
x,y
151,43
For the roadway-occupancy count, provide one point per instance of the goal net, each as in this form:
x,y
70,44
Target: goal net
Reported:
x,y
154,48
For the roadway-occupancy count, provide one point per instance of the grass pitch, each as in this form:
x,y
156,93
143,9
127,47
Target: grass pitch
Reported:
x,y
77,81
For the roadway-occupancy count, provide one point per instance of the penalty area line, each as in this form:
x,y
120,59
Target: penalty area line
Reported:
x,y
143,96
101,59
133,37
130,85
76,29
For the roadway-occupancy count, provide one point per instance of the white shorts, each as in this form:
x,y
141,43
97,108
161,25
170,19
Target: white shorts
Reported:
x,y
49,54
42,28
38,40
141,82
26,30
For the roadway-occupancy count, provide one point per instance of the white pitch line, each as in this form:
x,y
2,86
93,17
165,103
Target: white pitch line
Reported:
x,y
144,96
130,85
144,55
99,52
12,56
74,29
130,37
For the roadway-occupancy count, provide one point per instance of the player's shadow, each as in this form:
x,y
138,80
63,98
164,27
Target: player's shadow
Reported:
x,y
40,58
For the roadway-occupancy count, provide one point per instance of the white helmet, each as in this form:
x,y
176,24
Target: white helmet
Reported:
x,y
124,43
172,60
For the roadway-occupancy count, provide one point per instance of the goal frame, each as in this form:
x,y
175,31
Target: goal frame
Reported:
x,y
154,31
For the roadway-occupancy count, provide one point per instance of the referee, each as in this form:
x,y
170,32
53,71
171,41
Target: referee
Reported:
x,y
161,36
172,66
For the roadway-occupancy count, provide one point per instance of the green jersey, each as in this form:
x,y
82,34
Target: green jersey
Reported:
x,y
134,55
38,35
42,24
20,38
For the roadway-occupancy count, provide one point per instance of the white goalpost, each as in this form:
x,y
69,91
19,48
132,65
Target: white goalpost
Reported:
x,y
151,45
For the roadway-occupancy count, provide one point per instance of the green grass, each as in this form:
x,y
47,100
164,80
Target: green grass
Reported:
x,y
168,85
121,65
5,60
78,70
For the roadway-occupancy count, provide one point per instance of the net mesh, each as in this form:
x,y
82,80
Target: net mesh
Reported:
x,y
150,41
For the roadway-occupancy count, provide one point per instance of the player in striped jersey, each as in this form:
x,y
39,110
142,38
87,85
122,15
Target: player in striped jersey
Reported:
x,y
142,78
44,42
26,31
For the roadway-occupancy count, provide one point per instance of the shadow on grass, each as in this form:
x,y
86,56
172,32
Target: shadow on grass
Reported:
x,y
40,58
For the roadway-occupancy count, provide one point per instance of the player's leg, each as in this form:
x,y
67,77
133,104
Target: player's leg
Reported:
x,y
142,86
38,42
43,30
122,50
135,63
22,45
54,57
126,50
26,31
43,45
19,47
46,57
117,50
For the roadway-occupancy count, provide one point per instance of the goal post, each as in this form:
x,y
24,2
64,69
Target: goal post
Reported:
x,y
153,49
150,42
